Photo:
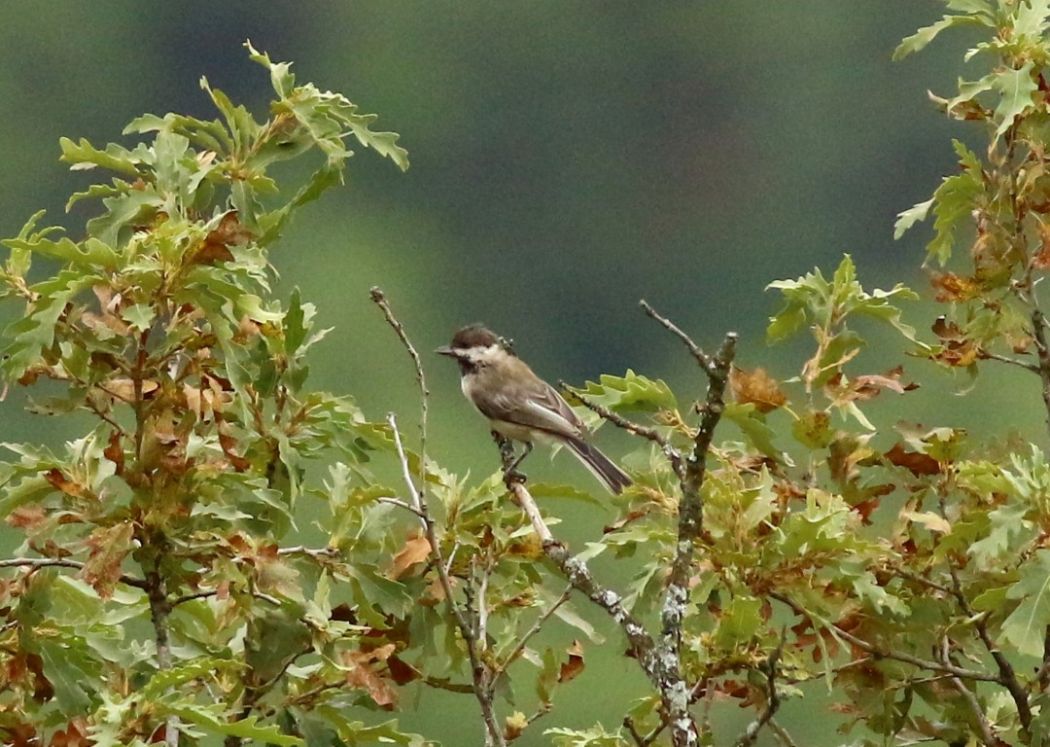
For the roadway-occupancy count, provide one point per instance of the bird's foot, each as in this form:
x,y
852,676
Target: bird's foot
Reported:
x,y
512,476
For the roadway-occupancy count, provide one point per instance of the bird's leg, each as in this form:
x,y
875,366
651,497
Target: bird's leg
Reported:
x,y
513,469
510,463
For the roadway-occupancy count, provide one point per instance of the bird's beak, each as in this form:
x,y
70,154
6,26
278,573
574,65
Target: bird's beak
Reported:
x,y
446,350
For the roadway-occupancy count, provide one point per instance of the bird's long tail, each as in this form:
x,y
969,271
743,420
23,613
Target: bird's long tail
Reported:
x,y
611,476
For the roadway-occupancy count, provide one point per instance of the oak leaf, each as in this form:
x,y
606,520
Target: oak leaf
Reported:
x,y
756,387
415,550
361,674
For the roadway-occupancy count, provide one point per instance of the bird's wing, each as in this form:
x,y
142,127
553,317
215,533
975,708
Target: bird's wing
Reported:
x,y
535,404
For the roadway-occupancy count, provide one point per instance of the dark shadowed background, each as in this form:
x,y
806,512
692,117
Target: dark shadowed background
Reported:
x,y
568,158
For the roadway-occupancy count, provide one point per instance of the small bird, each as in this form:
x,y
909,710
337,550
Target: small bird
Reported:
x,y
519,404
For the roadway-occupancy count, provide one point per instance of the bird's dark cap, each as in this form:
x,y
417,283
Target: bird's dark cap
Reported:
x,y
474,335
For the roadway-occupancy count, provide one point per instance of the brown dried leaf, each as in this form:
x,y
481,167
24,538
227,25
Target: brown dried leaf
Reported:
x,y
891,380
947,330
114,452
228,442
108,547
1041,260
214,248
571,669
401,672
415,550
915,462
123,388
756,387
27,517
951,287
60,482
360,674
104,323
74,735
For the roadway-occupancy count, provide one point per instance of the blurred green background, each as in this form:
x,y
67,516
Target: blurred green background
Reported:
x,y
568,158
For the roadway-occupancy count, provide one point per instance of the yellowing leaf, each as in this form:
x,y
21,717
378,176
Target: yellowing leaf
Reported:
x,y
930,520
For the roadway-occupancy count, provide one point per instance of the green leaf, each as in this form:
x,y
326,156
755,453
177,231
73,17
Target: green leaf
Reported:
x,y
927,34
70,669
754,427
910,217
123,212
596,736
213,720
140,316
295,327
954,202
1025,628
630,393
740,620
1007,524
83,155
164,681
1016,88
353,732
91,253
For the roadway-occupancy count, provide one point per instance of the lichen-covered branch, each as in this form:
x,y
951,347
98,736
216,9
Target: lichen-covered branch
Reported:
x,y
579,575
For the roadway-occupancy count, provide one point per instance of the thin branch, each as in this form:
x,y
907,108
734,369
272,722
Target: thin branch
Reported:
x,y
987,734
1011,361
400,504
1007,675
379,298
532,631
479,676
878,651
630,426
639,740
702,358
317,553
773,700
781,733
190,597
579,575
125,579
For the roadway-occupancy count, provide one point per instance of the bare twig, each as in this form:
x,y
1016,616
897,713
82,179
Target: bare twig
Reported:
x,y
781,733
885,653
1007,675
317,553
579,575
400,504
987,734
379,298
630,426
772,699
125,579
1011,361
479,674
532,631
632,730
481,679
702,358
